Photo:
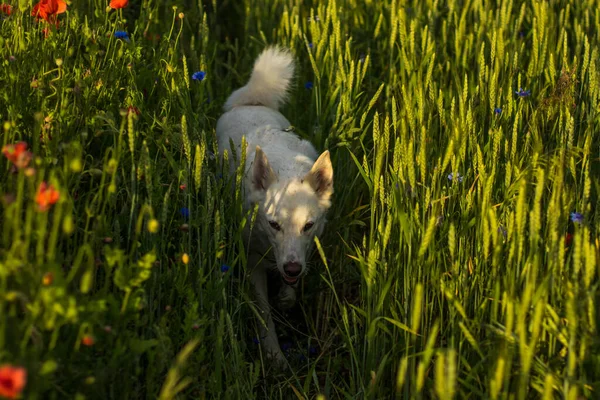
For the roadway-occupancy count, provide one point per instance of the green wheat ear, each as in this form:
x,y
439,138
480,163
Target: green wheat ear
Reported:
x,y
187,147
198,162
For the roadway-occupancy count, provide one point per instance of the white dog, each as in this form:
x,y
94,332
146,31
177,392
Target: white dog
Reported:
x,y
292,190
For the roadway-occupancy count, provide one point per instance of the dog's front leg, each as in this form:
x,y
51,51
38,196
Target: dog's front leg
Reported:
x,y
268,335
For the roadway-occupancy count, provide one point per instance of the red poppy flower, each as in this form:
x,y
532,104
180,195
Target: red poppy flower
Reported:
x,y
88,340
17,154
46,196
118,3
5,9
568,239
12,381
48,10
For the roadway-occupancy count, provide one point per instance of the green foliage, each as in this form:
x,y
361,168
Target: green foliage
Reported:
x,y
451,266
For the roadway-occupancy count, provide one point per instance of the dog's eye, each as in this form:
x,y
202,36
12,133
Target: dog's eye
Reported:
x,y
308,226
275,225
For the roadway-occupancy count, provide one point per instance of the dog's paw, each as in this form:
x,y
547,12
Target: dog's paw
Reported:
x,y
276,358
286,298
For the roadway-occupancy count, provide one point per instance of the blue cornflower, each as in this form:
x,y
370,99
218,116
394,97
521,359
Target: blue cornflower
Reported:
x,y
286,346
497,111
308,85
523,93
502,230
198,76
310,45
458,177
224,268
185,212
122,35
255,340
577,217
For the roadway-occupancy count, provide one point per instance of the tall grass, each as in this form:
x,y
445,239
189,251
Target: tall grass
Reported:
x,y
463,135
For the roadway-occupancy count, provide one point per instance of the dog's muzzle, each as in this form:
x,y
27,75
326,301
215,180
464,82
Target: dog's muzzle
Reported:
x,y
292,272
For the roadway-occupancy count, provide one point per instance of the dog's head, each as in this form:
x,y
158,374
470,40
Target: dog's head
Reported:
x,y
291,212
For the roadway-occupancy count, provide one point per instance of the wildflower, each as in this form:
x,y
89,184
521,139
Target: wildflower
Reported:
x,y
107,328
17,154
12,58
115,4
502,230
122,35
497,111
48,10
182,186
46,196
196,326
132,109
308,85
48,278
199,76
88,340
523,93
185,258
5,9
255,340
568,239
577,217
12,381
168,308
153,226
286,346
310,45
224,268
451,177
185,212
107,240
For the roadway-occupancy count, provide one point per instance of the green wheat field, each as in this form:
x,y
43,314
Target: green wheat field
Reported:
x,y
462,251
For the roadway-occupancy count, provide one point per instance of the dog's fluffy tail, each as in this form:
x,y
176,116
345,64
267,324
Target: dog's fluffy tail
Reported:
x,y
268,86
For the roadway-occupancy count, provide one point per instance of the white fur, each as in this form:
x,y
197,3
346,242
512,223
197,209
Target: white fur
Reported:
x,y
269,83
282,176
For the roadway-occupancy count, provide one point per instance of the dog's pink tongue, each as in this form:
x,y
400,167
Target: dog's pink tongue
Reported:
x,y
290,280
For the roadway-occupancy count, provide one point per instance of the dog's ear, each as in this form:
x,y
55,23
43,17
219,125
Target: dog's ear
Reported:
x,y
262,173
320,176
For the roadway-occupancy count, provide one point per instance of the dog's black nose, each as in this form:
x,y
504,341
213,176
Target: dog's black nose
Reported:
x,y
292,269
